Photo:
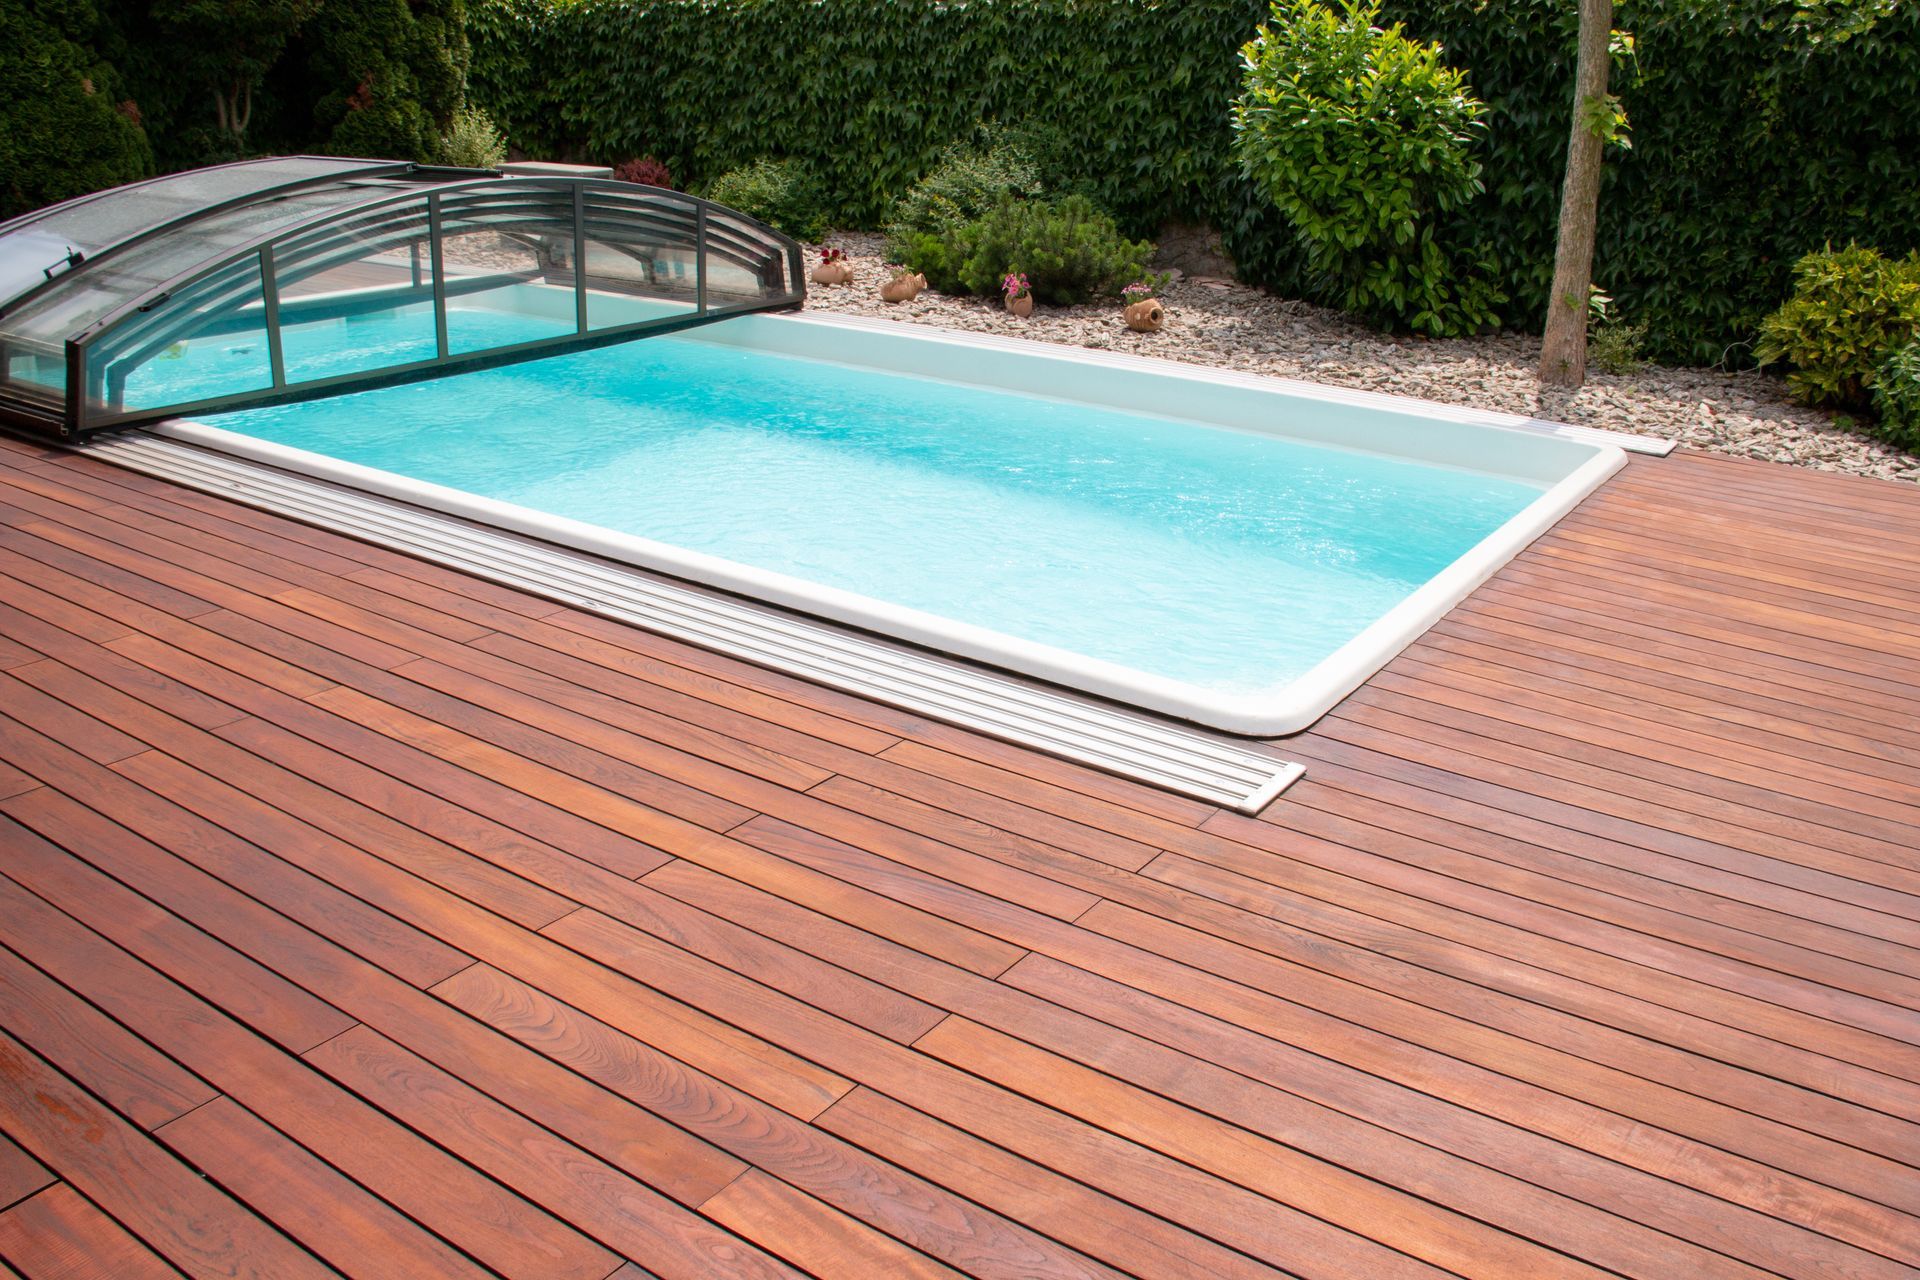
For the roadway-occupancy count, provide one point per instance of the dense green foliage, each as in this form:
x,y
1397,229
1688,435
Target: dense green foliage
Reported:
x,y
784,194
90,97
1850,309
1896,398
1360,136
385,76
1759,133
872,93
968,181
1762,129
1069,250
225,48
67,126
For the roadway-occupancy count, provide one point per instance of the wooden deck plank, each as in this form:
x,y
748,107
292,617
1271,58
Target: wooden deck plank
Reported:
x,y
358,1234
549,1171
979,1001
922,1214
1587,947
57,1235
503,1230
20,1174
128,1174
687,1170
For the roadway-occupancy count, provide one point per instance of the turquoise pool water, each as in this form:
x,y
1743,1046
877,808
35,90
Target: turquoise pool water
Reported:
x,y
1226,559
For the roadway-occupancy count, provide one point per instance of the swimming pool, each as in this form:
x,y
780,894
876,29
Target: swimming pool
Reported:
x,y
1231,550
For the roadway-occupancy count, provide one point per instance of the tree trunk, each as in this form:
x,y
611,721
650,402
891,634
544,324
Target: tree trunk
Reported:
x,y
1563,349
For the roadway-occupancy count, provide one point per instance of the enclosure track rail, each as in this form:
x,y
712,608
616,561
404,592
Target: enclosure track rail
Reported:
x,y
1121,742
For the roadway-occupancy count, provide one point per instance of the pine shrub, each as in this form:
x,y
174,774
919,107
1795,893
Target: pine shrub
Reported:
x,y
1070,250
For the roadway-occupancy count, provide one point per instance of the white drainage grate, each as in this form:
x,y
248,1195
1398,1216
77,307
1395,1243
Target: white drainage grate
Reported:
x,y
1119,741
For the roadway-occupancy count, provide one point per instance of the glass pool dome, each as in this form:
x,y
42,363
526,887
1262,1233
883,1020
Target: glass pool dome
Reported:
x,y
229,287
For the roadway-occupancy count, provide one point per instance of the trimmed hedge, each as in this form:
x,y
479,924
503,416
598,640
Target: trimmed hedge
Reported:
x,y
1758,135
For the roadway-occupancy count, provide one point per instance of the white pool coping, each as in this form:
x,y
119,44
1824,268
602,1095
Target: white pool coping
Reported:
x,y
1572,461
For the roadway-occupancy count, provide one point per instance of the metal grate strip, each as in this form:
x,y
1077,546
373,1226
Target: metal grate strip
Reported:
x,y
1123,742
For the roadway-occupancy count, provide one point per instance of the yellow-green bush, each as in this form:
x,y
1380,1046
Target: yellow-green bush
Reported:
x,y
1850,309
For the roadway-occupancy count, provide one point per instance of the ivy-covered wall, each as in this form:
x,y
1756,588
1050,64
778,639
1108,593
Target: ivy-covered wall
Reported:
x,y
1761,128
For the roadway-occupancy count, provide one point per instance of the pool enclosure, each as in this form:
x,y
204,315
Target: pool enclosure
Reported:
x,y
291,278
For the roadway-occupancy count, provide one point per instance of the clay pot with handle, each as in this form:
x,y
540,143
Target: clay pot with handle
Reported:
x,y
1021,306
904,287
1148,315
836,272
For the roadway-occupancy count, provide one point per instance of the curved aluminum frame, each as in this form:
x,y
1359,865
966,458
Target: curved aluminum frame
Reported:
x,y
556,210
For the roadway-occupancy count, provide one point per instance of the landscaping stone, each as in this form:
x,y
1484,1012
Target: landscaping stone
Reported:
x,y
1217,322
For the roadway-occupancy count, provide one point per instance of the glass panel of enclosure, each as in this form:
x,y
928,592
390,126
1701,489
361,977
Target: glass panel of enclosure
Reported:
x,y
642,256
507,251
34,369
745,266
43,242
102,288
207,341
356,293
363,274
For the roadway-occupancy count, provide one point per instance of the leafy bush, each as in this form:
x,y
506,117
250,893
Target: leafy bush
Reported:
x,y
1069,250
66,127
1849,310
968,182
1896,397
1617,347
646,171
784,194
1359,136
472,142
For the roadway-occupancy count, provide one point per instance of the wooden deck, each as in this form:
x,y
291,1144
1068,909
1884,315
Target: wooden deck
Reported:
x,y
361,917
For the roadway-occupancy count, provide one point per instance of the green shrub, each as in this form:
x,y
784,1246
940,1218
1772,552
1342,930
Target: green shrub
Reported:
x,y
784,194
932,254
967,183
472,142
1617,348
1896,397
66,127
1850,308
1359,135
1069,250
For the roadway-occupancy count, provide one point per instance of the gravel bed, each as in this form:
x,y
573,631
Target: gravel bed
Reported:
x,y
1217,322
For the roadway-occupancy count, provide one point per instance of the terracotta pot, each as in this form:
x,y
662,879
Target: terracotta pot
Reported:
x,y
1146,316
903,288
1021,306
833,273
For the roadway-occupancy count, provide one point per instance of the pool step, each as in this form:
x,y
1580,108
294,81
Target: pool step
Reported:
x,y
1119,741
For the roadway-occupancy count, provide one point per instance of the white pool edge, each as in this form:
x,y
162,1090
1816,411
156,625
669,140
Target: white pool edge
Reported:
x,y
1285,710
1165,366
